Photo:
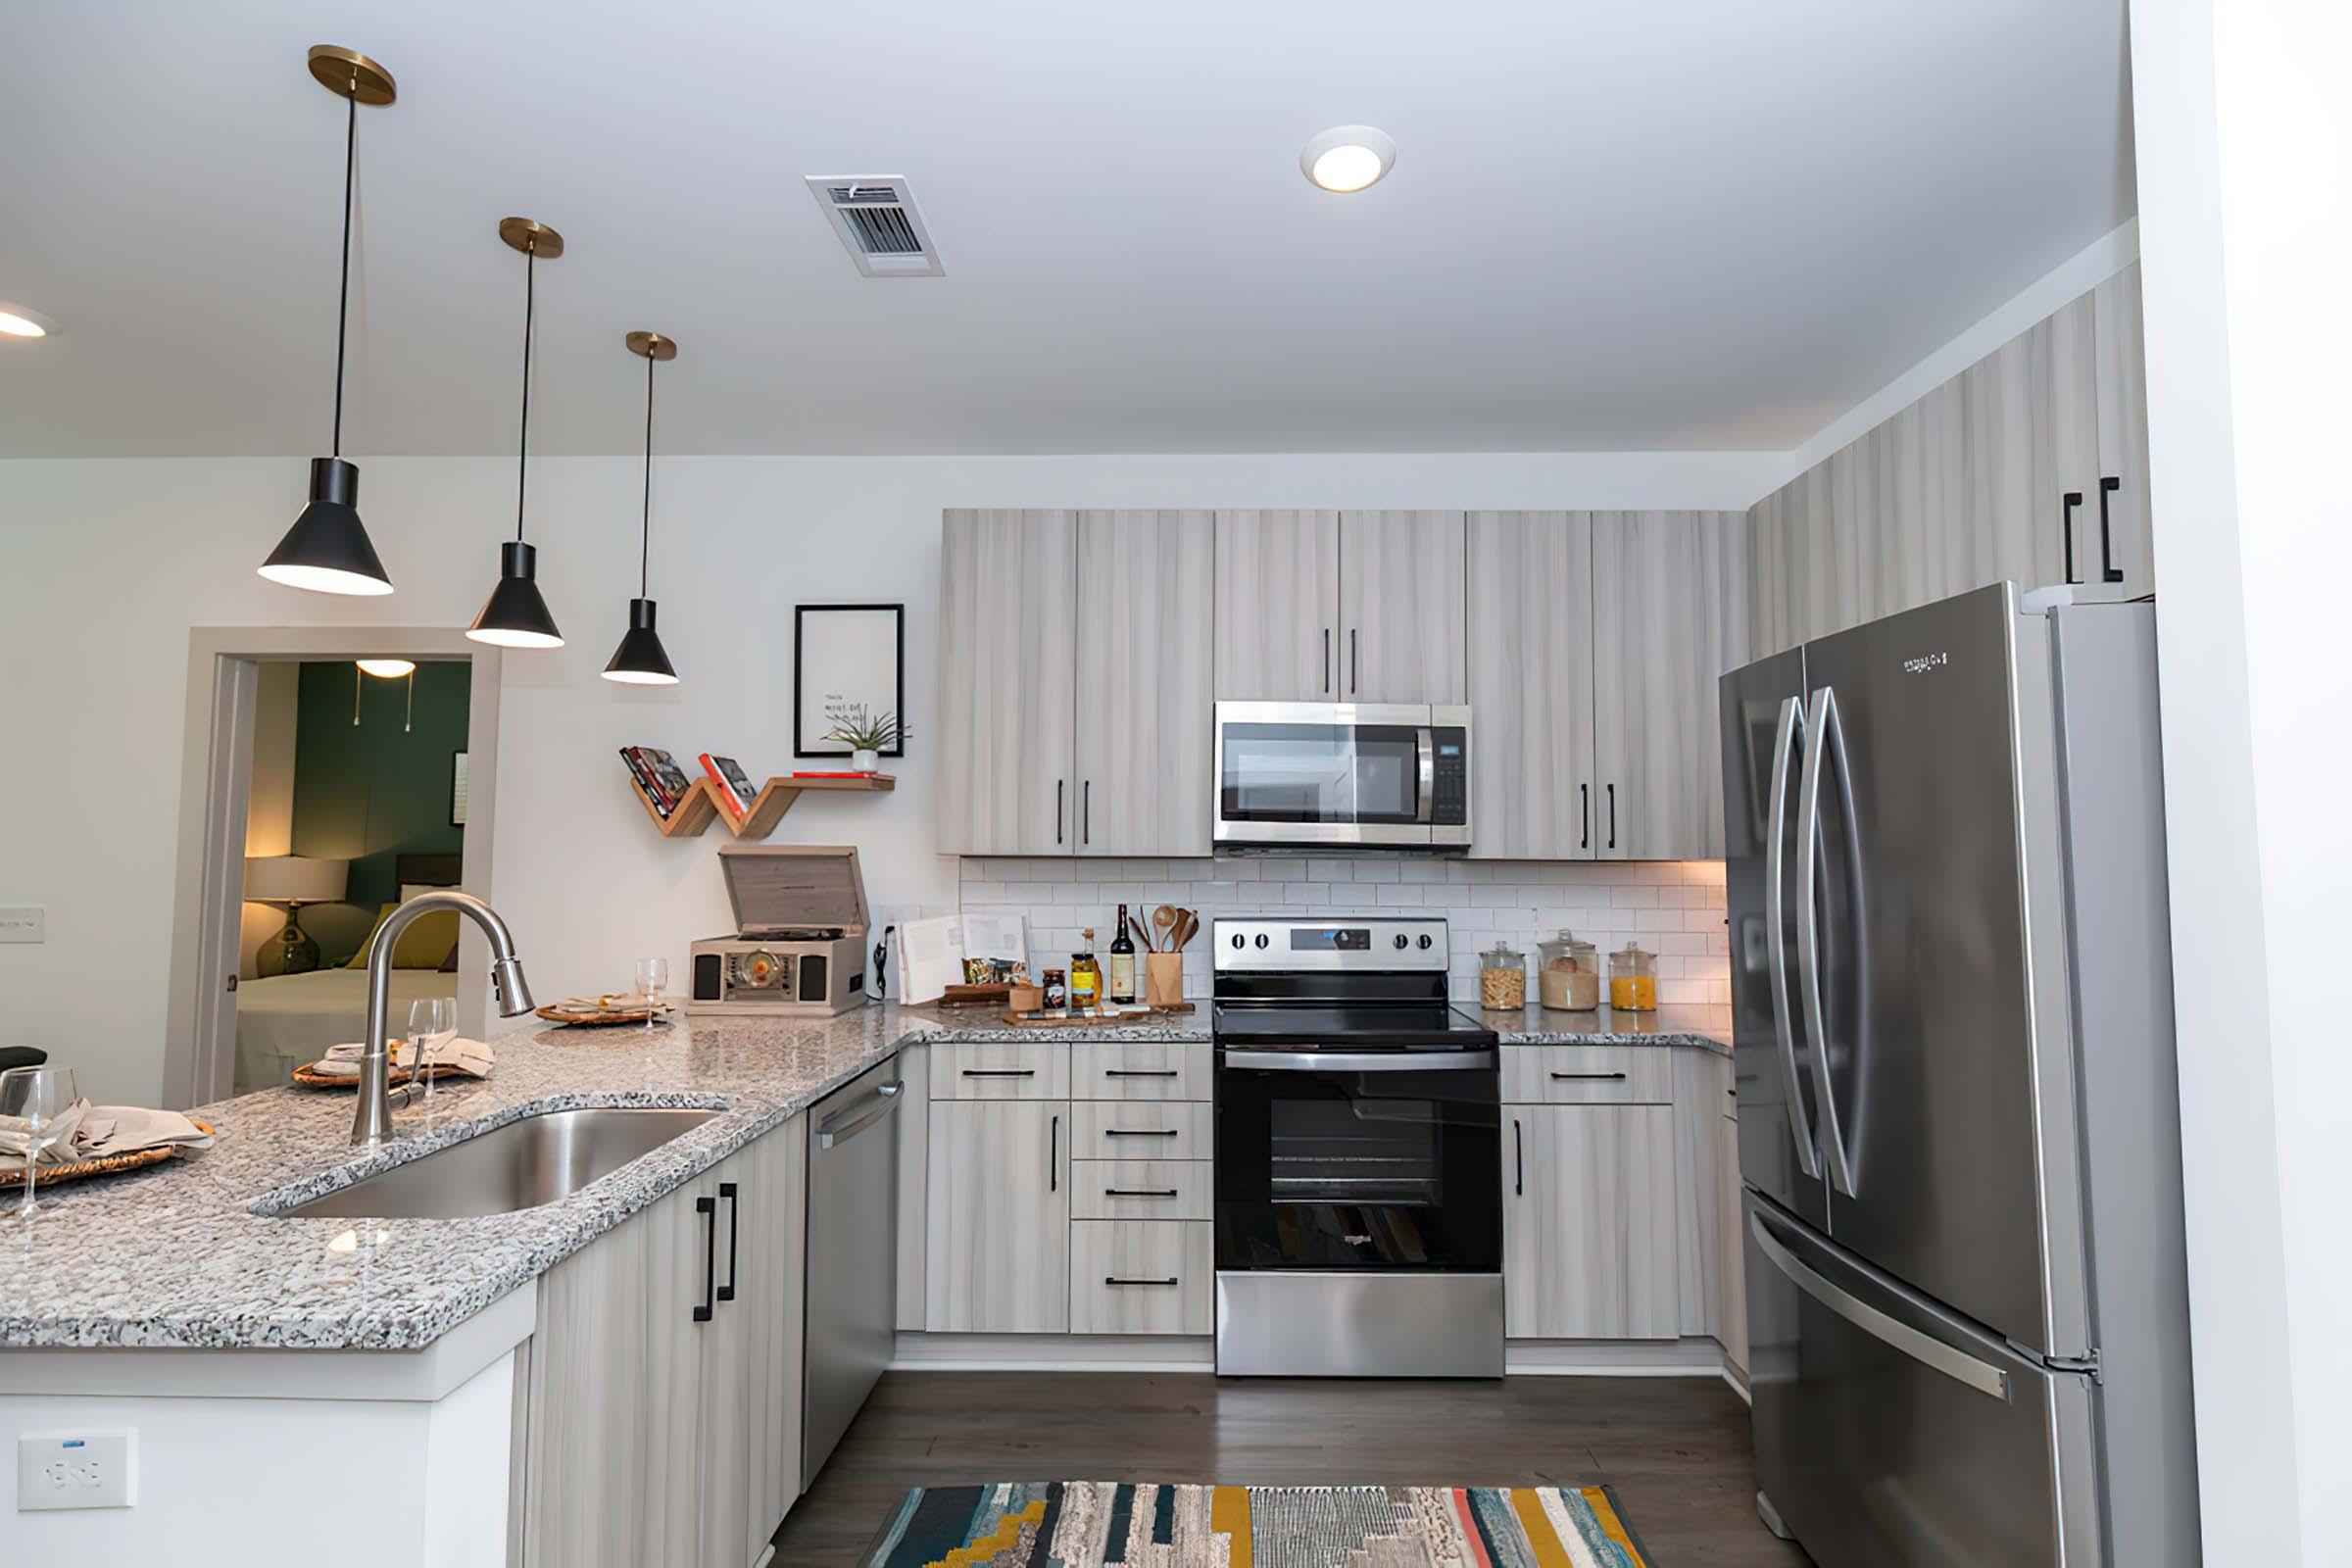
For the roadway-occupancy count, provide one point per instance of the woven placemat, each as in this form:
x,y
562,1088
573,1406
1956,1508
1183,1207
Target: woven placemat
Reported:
x,y
308,1078
104,1166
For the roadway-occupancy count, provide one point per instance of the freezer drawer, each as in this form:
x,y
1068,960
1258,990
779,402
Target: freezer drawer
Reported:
x,y
1889,1432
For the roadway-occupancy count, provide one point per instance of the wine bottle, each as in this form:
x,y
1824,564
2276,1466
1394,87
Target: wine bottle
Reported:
x,y
1122,962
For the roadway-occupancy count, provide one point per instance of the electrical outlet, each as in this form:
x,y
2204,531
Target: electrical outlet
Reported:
x,y
23,922
77,1470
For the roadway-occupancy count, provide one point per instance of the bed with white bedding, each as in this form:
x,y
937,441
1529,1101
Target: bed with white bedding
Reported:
x,y
289,1019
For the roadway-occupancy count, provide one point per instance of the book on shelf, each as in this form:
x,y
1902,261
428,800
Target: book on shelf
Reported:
x,y
730,784
659,775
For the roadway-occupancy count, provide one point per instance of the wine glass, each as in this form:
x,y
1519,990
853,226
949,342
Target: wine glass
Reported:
x,y
653,977
432,1022
39,1097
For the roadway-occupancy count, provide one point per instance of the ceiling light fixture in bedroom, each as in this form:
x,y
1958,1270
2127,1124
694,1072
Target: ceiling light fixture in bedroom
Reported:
x,y
19,321
327,549
1348,158
387,670
640,661
515,615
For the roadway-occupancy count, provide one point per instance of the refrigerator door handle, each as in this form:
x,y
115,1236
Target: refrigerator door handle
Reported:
x,y
1925,1348
1776,936
1822,727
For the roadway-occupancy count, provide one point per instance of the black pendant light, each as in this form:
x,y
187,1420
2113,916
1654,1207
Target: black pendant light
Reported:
x,y
515,615
639,660
326,550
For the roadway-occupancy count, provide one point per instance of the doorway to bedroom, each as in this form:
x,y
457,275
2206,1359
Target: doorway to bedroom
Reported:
x,y
330,775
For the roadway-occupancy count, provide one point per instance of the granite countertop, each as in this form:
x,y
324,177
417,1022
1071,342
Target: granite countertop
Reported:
x,y
186,1254
1686,1025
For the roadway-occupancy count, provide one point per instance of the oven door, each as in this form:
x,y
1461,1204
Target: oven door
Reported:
x,y
1325,774
1383,1161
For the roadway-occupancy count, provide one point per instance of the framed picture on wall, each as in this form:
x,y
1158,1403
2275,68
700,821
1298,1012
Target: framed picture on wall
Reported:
x,y
457,789
846,657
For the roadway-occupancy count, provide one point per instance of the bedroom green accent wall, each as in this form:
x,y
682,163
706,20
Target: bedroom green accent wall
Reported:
x,y
370,792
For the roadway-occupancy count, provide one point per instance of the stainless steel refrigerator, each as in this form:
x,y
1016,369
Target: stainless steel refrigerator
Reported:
x,y
1959,1131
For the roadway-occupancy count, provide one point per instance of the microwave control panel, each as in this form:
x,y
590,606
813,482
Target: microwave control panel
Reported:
x,y
1450,803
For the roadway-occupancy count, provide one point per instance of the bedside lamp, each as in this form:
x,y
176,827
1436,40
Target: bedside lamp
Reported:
x,y
292,880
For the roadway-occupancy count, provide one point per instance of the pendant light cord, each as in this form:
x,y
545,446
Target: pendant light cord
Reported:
x,y
645,542
351,144
523,442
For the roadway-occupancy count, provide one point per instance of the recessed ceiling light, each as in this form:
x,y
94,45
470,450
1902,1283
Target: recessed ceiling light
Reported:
x,y
1348,158
18,321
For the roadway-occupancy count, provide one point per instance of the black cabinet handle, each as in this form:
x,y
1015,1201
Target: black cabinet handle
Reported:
x,y
1327,660
1086,812
1139,1132
1141,1191
1114,1279
1585,791
1518,1158
708,1207
1612,816
2066,522
1591,1077
2109,571
1054,1159
999,1072
1059,786
1355,665
727,1194
1140,1072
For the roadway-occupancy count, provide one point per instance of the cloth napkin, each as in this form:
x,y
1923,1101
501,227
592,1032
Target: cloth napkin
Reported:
x,y
472,1057
93,1132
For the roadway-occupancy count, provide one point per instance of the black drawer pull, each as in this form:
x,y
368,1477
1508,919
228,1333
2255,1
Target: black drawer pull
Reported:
x,y
727,1194
1140,1132
1054,1159
1612,816
1140,1072
1141,1191
1584,793
1114,1279
2066,522
1590,1077
1518,1158
999,1072
708,1207
2109,571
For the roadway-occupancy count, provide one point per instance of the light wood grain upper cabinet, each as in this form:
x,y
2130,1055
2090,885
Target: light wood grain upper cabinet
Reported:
x,y
1812,545
1669,616
1771,627
1146,615
1589,1248
1531,685
1006,708
1401,608
997,1226
2127,569
1277,606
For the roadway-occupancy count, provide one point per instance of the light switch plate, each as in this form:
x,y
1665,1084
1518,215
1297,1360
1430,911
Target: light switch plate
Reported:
x,y
77,1470
23,922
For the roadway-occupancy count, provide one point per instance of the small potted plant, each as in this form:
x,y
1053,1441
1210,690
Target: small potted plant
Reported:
x,y
867,735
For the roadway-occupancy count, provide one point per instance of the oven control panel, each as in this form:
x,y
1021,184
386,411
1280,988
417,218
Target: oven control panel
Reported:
x,y
1359,943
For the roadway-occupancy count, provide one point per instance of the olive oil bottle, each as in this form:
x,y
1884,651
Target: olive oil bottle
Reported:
x,y
1086,976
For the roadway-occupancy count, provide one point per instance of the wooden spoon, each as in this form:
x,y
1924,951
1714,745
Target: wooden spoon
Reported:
x,y
1163,920
1188,925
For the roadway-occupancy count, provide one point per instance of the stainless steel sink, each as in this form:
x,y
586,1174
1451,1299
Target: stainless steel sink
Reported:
x,y
521,1165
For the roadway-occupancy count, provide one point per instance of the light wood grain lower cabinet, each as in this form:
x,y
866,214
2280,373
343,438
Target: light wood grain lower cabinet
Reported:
x,y
996,1255
751,1434
1531,685
1141,1130
1146,671
1007,704
1588,1222
1141,1069
612,1474
1700,1079
1141,1189
1402,605
1142,1277
1277,606
1669,618
915,1160
2123,441
1731,1245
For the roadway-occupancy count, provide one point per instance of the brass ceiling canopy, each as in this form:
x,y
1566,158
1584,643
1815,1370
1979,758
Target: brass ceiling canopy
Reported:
x,y
652,346
349,74
531,237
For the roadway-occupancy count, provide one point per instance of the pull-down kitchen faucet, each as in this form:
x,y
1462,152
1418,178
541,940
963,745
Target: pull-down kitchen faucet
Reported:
x,y
372,1122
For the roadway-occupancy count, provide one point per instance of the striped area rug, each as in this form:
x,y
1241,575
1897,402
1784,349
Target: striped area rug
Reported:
x,y
1092,1524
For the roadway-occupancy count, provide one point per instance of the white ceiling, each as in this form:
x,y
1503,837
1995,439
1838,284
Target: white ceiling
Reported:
x,y
1678,224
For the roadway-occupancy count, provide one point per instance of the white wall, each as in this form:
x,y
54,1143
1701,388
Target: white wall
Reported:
x,y
2245,150
105,564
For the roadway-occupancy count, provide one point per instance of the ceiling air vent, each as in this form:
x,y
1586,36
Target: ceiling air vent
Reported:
x,y
875,217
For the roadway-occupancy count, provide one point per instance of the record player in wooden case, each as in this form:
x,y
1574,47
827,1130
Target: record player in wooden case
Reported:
x,y
800,940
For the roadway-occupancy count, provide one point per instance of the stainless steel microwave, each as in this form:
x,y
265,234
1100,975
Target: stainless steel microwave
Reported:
x,y
1386,775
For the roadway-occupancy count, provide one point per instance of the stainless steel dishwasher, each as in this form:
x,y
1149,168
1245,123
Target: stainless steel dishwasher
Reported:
x,y
849,1278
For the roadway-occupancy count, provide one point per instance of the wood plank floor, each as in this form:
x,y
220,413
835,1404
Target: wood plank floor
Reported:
x,y
1674,1449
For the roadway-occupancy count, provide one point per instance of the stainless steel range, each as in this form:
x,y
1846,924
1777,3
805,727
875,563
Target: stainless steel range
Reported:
x,y
1358,1155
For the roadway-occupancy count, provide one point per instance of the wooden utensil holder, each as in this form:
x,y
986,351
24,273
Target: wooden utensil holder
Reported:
x,y
1164,979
